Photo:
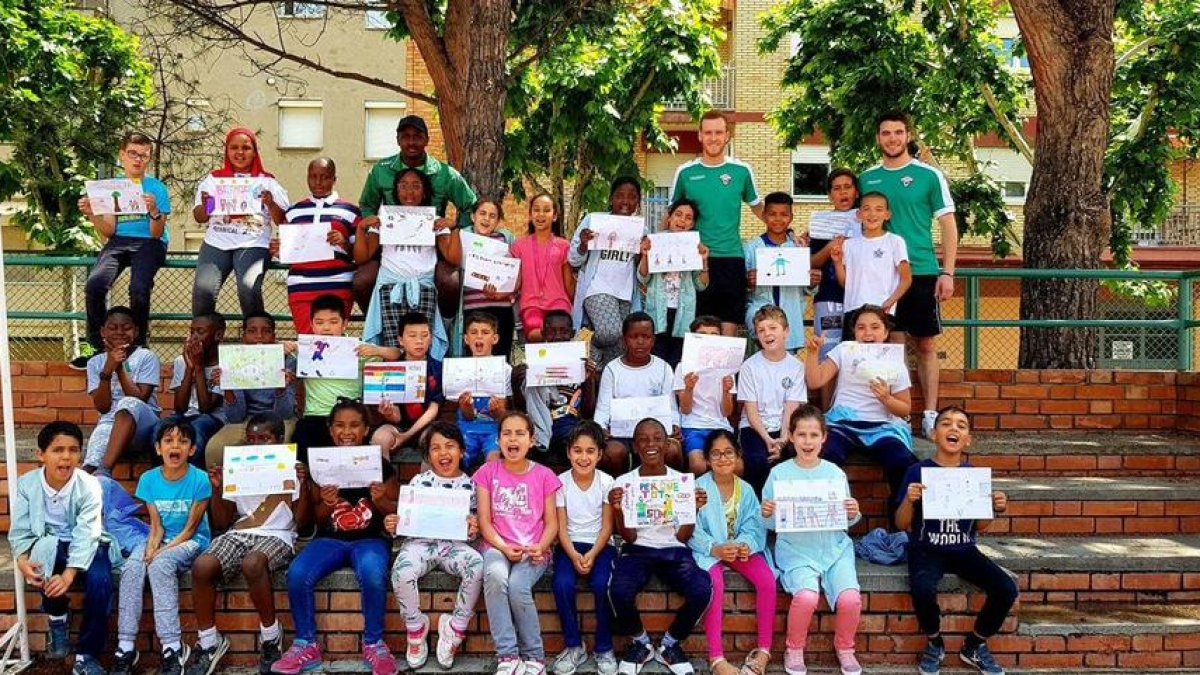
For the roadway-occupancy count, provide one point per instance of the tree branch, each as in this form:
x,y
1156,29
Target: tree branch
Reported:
x,y
425,35
1137,49
544,41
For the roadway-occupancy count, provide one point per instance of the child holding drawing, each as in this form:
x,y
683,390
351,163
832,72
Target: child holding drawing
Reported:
x,y
259,543
477,415
585,549
873,268
706,400
671,296
556,409
936,547
793,300
486,220
547,281
813,560
657,550
236,242
442,449
350,533
404,422
519,524
823,233
871,400
770,386
730,535
406,273
607,288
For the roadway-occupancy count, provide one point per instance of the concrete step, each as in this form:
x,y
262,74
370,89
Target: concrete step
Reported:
x,y
1126,635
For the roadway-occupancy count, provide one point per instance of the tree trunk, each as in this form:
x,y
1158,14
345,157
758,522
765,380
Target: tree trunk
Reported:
x,y
1067,219
483,161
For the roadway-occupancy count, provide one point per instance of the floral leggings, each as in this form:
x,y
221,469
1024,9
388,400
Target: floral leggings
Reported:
x,y
417,558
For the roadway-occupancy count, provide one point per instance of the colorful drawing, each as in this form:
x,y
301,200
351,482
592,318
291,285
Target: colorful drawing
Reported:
x,y
115,197
327,356
782,266
259,470
811,505
873,361
712,353
236,196
398,382
553,364
963,493
251,366
616,233
651,501
480,376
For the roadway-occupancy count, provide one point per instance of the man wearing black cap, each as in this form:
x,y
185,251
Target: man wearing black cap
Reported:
x,y
412,135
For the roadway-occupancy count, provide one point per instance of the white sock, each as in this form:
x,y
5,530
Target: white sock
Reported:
x,y
271,633
208,638
58,619
125,646
80,658
173,646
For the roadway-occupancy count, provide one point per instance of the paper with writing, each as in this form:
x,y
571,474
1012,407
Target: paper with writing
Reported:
x,y
829,225
407,225
115,197
551,364
398,382
251,470
251,366
327,356
346,467
433,513
481,270
810,505
236,196
870,361
963,493
650,501
480,376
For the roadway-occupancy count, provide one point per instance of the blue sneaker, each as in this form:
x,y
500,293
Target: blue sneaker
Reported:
x,y
86,665
60,639
637,654
982,659
931,660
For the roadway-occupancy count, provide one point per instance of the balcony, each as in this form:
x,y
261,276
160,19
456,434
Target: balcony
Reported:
x,y
1181,228
718,90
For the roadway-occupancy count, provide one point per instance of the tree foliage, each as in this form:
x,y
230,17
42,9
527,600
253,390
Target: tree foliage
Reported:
x,y
70,84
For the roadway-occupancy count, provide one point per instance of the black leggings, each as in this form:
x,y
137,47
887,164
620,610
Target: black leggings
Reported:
x,y
927,565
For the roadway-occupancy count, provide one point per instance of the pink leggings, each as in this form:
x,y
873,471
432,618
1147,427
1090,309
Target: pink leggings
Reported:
x,y
804,604
759,573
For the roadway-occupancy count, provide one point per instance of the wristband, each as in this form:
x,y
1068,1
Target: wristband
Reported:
x,y
155,216
946,274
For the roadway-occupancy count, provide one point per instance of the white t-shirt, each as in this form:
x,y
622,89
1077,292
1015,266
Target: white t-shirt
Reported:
x,y
621,381
854,389
706,401
278,522
871,274
210,372
585,509
250,231
143,367
614,275
661,536
771,385
411,262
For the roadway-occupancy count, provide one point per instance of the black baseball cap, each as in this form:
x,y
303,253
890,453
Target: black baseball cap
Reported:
x,y
413,121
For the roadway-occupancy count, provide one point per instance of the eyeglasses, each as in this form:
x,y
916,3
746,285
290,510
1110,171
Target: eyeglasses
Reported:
x,y
723,454
143,156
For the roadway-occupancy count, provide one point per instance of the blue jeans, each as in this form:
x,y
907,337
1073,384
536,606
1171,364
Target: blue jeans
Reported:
x,y
512,614
143,257
97,590
480,441
322,557
673,566
205,427
565,577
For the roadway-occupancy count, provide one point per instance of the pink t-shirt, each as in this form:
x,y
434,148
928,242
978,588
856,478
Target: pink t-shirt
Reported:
x,y
518,502
542,273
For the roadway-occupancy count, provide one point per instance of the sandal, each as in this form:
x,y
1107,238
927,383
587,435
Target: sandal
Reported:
x,y
756,662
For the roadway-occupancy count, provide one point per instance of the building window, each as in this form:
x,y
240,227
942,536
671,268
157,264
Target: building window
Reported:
x,y
810,171
301,10
1014,189
379,131
1007,52
301,125
196,109
377,19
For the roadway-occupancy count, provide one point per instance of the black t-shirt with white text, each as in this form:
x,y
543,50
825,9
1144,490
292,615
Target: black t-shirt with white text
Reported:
x,y
937,534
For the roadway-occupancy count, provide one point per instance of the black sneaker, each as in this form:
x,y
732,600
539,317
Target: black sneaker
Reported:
x,y
123,662
78,363
637,654
675,660
204,661
86,665
60,639
174,661
271,650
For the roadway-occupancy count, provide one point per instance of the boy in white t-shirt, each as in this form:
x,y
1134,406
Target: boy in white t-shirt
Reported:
x,y
873,268
660,551
706,400
770,386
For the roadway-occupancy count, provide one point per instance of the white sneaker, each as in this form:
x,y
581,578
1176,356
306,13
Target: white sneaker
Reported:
x,y
510,665
534,667
417,651
448,642
569,660
606,663
927,420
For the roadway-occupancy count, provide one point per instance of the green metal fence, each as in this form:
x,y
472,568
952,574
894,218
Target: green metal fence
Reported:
x,y
982,322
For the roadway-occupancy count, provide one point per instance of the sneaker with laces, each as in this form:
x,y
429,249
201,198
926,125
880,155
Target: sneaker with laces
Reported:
x,y
675,660
380,659
417,652
849,663
981,658
60,639
637,654
606,663
510,665
205,661
123,662
173,661
86,665
569,660
533,667
448,642
299,658
793,662
269,653
931,660
928,418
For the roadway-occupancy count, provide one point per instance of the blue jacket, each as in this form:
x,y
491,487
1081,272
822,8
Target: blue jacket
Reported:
x,y
655,303
711,528
30,533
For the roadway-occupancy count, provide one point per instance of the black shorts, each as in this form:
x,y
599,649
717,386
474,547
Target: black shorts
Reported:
x,y
725,297
919,313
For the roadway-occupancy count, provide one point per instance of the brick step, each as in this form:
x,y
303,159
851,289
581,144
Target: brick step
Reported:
x,y
1114,635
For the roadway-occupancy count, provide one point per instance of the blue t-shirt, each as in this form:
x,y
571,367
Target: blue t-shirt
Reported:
x,y
936,534
174,501
137,225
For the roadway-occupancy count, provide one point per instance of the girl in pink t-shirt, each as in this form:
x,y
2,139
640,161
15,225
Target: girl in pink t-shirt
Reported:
x,y
519,525
546,282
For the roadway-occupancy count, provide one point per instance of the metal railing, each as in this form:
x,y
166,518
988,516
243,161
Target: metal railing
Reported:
x,y
982,321
1181,228
718,90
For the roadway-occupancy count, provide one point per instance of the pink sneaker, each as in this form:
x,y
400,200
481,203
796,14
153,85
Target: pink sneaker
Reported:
x,y
448,641
849,663
418,645
793,662
301,657
380,658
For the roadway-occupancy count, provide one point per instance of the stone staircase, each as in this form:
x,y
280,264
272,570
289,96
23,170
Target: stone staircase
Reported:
x,y
1102,536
